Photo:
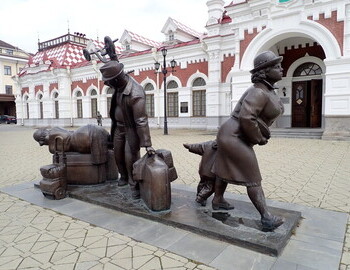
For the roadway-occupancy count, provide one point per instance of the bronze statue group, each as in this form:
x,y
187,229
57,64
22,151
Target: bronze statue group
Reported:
x,y
230,159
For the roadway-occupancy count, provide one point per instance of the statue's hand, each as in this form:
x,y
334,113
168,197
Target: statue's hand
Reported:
x,y
150,150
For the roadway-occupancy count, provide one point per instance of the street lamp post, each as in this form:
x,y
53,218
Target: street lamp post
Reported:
x,y
164,71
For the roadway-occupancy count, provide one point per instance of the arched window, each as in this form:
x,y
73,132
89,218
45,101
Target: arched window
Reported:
x,y
149,87
41,108
109,98
199,82
55,98
199,97
93,103
79,96
307,69
172,84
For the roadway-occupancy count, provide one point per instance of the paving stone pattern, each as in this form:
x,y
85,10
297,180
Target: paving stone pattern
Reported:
x,y
313,173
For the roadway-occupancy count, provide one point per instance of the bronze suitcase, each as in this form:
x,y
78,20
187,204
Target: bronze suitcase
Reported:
x,y
81,170
155,185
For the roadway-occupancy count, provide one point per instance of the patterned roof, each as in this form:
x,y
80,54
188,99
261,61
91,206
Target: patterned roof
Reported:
x,y
63,55
143,40
187,29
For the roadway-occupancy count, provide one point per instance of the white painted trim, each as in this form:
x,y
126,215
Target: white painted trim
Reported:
x,y
303,60
90,88
172,78
195,76
77,89
269,37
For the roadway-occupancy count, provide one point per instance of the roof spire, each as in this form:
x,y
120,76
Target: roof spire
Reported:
x,y
68,25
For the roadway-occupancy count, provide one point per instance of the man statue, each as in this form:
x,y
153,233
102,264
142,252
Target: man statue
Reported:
x,y
89,139
129,130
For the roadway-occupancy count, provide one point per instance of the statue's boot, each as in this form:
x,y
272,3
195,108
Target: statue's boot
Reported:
x,y
218,201
222,205
271,223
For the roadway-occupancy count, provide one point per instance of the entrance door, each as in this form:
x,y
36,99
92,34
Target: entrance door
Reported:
x,y
316,103
307,103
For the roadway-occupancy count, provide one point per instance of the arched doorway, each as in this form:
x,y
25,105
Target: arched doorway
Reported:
x,y
307,96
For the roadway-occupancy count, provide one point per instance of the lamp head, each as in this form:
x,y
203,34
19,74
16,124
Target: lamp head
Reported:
x,y
157,65
173,63
164,51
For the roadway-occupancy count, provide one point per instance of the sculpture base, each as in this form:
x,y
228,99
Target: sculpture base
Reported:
x,y
240,226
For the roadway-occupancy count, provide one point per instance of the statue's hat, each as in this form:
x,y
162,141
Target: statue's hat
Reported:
x,y
265,59
111,70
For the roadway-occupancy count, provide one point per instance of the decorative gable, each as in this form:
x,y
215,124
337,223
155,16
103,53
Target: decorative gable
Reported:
x,y
132,42
176,32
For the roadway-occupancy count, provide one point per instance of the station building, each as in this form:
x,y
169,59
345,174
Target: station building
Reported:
x,y
12,60
59,87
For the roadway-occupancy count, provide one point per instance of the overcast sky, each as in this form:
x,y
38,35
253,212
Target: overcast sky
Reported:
x,y
23,21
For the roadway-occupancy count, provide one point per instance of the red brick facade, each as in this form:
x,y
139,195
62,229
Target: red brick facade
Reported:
x,y
53,86
25,90
226,66
182,74
246,41
38,88
293,54
85,85
335,27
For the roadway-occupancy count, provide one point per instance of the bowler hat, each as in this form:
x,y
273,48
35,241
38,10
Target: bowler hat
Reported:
x,y
265,59
111,70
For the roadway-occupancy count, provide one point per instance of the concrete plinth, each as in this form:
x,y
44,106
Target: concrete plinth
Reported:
x,y
240,226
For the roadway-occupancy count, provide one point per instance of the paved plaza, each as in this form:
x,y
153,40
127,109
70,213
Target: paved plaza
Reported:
x,y
310,173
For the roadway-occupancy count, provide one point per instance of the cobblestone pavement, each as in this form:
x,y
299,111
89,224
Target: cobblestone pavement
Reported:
x,y
314,173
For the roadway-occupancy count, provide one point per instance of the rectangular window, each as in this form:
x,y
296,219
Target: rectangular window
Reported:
x,y
93,107
199,103
57,113
150,105
80,108
8,89
7,70
173,104
10,52
184,107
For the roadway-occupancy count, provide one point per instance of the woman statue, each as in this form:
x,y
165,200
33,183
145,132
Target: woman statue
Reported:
x,y
236,162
